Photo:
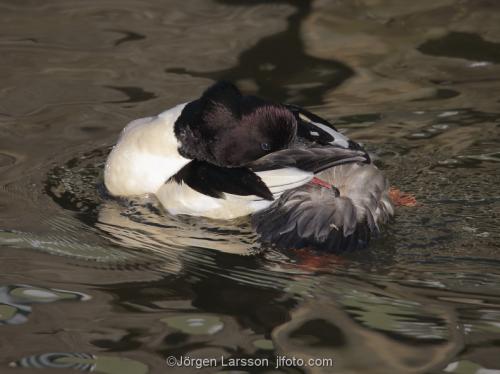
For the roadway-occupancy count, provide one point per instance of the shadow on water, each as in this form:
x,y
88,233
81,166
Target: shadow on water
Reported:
x,y
463,45
128,36
134,94
279,66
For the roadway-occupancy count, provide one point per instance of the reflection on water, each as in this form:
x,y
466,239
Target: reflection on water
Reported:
x,y
92,283
464,45
278,67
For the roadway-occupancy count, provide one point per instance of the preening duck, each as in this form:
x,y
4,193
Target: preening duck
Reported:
x,y
227,155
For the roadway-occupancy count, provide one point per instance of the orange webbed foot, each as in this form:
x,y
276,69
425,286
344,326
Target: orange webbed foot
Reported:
x,y
402,198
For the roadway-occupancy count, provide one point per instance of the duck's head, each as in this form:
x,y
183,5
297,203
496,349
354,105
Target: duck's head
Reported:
x,y
228,129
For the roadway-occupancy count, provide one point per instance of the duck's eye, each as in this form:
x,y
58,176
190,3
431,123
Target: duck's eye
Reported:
x,y
265,146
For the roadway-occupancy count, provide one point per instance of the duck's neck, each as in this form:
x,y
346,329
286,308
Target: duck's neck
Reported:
x,y
146,155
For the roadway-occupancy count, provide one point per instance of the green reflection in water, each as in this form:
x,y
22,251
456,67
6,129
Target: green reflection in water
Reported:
x,y
195,324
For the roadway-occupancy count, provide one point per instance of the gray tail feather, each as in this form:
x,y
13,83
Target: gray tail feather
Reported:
x,y
326,219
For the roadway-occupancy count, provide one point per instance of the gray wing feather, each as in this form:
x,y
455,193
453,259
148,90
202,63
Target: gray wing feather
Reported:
x,y
368,189
314,159
315,216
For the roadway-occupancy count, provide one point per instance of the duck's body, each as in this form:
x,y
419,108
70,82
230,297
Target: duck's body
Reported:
x,y
145,160
226,155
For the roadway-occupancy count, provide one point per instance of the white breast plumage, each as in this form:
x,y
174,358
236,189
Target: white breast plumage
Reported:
x,y
145,156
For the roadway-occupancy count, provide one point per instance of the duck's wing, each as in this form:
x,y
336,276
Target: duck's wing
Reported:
x,y
308,216
313,159
312,216
293,167
266,178
334,219
313,128
216,181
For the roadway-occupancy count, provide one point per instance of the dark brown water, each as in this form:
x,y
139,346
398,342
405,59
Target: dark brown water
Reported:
x,y
87,283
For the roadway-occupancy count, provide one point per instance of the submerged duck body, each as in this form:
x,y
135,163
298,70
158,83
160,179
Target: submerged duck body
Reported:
x,y
226,155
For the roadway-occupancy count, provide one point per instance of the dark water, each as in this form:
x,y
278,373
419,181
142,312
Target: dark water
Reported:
x,y
87,283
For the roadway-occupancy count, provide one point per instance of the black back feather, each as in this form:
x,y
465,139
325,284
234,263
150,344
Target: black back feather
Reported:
x,y
214,181
308,131
305,129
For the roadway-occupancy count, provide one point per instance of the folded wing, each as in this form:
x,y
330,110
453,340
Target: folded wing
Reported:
x,y
268,177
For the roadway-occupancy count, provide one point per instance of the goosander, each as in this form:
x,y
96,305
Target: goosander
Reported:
x,y
227,155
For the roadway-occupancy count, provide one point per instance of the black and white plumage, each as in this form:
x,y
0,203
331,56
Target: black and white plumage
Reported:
x,y
227,155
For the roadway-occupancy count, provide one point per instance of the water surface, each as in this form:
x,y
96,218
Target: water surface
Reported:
x,y
93,284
